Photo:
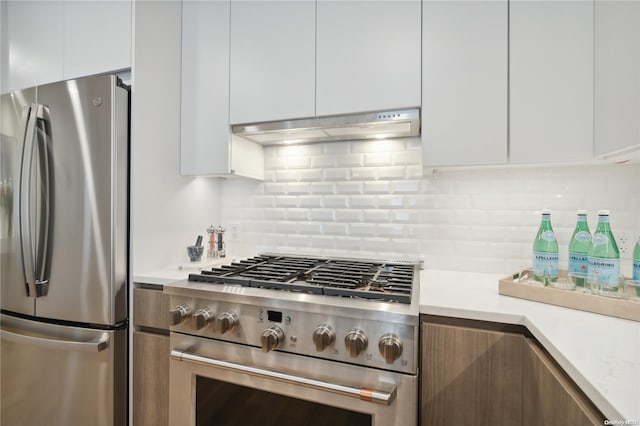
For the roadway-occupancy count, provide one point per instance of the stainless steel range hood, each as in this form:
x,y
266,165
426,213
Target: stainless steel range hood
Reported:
x,y
371,125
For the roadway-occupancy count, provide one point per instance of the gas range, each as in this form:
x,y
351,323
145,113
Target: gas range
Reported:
x,y
354,311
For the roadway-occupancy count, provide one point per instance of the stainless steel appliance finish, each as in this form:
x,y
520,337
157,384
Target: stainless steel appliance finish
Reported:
x,y
62,375
370,125
63,252
262,323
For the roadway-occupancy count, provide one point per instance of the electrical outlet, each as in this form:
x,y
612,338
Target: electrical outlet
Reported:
x,y
626,242
234,230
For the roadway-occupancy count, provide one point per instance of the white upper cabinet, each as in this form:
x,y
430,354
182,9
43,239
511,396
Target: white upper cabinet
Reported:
x,y
617,78
33,47
464,82
368,55
205,133
272,60
551,81
97,37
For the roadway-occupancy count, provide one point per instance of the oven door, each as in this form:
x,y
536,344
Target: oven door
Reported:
x,y
215,382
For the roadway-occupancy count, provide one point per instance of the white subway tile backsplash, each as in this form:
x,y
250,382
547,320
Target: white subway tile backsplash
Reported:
x,y
275,188
377,187
335,201
364,173
370,198
286,201
298,188
321,215
390,230
322,188
336,174
392,172
287,175
310,175
298,162
348,187
334,228
375,215
362,201
362,229
310,201
348,215
275,214
310,228
390,201
323,161
297,214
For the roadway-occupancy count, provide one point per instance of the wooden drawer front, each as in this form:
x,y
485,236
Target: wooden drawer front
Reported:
x,y
150,379
150,308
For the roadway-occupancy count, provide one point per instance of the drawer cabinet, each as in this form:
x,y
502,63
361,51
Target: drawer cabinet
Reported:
x,y
150,358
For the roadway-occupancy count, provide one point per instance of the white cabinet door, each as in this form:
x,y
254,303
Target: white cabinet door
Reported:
x,y
368,55
33,43
97,37
272,60
551,81
617,76
205,133
464,82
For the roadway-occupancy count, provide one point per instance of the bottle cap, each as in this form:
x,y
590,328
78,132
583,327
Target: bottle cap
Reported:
x,y
545,211
603,212
582,212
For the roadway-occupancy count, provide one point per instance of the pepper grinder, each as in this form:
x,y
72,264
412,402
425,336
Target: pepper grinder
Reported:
x,y
211,251
221,246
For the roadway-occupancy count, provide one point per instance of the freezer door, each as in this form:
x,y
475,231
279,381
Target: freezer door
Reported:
x,y
88,145
58,375
15,294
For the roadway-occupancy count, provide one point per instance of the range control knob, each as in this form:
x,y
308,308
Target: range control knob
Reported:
x,y
271,338
323,337
225,322
356,342
201,318
178,314
390,347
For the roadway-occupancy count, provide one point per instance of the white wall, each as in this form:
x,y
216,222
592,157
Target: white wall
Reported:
x,y
168,211
369,199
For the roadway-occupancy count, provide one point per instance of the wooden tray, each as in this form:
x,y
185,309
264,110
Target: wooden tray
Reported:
x,y
620,308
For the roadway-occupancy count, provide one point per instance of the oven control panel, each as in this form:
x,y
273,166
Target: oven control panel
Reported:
x,y
382,344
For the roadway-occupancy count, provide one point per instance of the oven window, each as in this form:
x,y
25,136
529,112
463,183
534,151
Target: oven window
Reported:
x,y
225,404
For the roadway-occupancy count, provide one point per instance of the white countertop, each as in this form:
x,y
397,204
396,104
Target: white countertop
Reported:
x,y
600,353
179,271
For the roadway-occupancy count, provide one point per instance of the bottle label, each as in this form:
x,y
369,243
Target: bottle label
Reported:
x,y
578,264
582,236
636,270
548,236
545,264
608,270
599,239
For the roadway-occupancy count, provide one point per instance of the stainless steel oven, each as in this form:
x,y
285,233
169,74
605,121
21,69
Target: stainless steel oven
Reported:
x,y
244,355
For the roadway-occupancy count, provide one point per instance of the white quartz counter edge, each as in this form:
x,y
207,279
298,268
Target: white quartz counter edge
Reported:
x,y
601,354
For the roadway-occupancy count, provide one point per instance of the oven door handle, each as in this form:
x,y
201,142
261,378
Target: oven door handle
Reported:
x,y
379,396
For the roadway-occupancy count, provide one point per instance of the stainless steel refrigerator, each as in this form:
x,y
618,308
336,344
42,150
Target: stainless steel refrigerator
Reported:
x,y
63,242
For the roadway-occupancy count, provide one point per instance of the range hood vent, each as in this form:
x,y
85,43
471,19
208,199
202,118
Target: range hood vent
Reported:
x,y
371,125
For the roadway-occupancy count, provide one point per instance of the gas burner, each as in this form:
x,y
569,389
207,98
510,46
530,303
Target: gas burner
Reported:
x,y
383,281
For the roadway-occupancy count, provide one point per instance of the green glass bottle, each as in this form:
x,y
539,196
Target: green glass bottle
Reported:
x,y
579,250
604,257
545,252
636,261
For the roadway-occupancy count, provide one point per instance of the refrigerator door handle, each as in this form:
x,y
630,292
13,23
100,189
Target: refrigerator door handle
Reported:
x,y
35,139
95,345
41,270
29,116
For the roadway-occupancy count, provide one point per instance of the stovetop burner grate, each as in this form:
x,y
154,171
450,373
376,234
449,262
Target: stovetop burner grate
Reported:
x,y
357,279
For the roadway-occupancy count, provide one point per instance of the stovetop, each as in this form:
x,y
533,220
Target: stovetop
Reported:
x,y
377,280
